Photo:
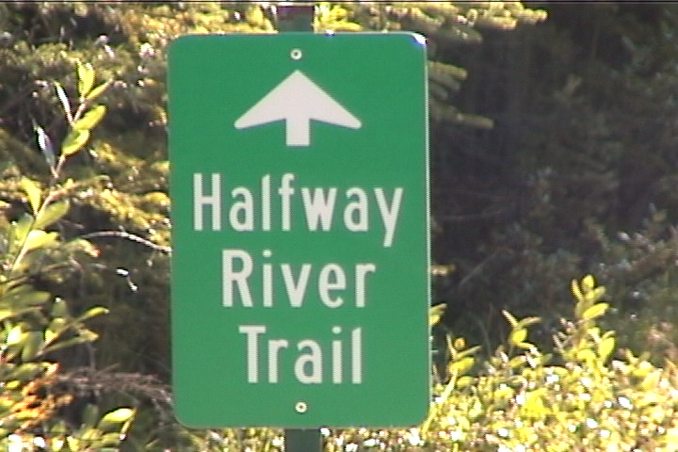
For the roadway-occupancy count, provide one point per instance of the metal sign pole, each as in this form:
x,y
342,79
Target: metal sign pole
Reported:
x,y
298,17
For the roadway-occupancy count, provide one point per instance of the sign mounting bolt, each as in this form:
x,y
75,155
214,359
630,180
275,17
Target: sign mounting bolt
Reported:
x,y
296,54
301,407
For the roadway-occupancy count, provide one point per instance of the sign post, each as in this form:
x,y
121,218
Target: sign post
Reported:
x,y
300,283
298,18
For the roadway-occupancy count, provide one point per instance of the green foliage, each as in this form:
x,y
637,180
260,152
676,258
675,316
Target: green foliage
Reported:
x,y
35,323
587,395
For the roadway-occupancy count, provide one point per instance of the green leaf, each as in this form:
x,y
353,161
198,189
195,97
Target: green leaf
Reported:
x,y
8,313
435,313
39,239
32,192
18,233
586,355
594,311
527,321
55,328
85,78
45,144
99,90
92,312
27,371
91,415
82,339
59,308
511,320
118,416
518,336
33,341
14,335
91,118
606,347
461,366
24,296
74,141
51,214
63,98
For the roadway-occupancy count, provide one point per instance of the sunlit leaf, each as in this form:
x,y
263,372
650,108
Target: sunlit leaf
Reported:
x,y
14,335
98,91
54,329
85,78
93,312
435,313
90,336
527,321
91,118
39,239
509,317
586,355
33,341
74,141
461,366
518,336
605,347
118,416
32,192
18,232
588,283
595,294
63,98
45,145
51,214
594,311
576,291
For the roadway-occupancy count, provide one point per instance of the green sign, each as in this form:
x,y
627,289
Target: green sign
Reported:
x,y
300,282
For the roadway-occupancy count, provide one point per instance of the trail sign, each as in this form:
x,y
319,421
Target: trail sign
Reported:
x,y
299,186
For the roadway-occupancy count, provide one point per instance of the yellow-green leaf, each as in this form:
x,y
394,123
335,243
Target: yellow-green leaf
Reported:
x,y
74,142
588,283
594,311
32,192
99,90
91,118
518,336
51,214
595,294
435,313
527,321
93,312
462,366
576,291
118,416
606,347
39,239
586,355
511,320
63,98
464,382
14,335
85,78
33,341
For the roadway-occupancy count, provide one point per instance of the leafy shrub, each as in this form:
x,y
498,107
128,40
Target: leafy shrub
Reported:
x,y
586,396
36,391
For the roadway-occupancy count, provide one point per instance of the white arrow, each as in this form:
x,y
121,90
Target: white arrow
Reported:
x,y
297,100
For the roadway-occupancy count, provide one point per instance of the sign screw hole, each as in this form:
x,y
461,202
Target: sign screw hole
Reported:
x,y
296,54
301,407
